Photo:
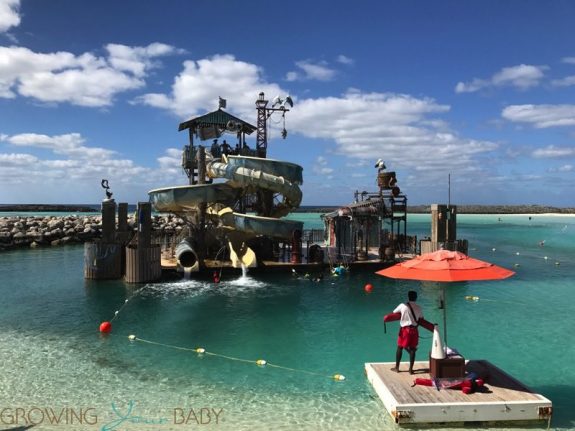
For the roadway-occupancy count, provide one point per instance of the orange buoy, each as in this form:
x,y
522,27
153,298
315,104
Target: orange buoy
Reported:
x,y
368,288
105,327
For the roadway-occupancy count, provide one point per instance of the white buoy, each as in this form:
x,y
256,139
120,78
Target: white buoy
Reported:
x,y
437,350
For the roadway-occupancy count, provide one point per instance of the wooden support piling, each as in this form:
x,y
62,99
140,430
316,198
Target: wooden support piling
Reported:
x,y
103,258
108,221
102,261
143,264
143,259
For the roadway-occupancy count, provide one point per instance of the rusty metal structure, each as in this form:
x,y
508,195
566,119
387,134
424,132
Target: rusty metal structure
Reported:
x,y
374,226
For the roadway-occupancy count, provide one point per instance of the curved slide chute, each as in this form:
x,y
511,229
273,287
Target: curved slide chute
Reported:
x,y
187,198
279,177
243,173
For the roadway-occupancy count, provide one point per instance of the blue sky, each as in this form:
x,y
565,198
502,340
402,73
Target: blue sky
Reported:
x,y
481,90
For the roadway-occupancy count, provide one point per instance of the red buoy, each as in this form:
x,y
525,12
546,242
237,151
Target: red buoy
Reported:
x,y
368,288
105,327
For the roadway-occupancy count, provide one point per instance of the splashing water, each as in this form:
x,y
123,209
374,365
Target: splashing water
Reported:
x,y
187,273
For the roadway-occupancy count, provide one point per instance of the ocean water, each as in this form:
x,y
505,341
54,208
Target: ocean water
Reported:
x,y
54,361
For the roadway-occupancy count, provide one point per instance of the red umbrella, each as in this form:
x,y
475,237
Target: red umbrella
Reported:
x,y
445,266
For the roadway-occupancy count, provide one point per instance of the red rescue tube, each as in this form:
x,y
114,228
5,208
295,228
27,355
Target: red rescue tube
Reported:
x,y
427,325
391,317
423,382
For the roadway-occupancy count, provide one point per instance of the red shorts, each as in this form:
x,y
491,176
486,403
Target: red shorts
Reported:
x,y
408,337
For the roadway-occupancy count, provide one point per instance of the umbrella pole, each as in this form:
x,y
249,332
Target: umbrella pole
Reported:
x,y
444,315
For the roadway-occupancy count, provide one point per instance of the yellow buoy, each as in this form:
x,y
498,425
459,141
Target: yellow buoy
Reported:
x,y
200,350
131,337
339,377
472,298
261,362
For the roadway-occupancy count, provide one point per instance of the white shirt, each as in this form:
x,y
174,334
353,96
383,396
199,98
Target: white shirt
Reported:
x,y
406,315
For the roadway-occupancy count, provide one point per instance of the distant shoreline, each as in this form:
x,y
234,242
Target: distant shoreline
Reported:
x,y
528,210
48,208
415,209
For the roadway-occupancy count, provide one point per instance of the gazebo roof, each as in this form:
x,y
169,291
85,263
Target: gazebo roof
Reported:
x,y
219,118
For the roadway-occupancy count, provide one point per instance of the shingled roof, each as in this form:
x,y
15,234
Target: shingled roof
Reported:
x,y
218,118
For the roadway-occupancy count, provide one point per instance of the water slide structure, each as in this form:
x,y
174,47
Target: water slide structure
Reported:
x,y
236,199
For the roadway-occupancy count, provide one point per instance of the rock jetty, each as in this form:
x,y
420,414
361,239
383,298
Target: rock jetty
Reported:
x,y
24,231
47,207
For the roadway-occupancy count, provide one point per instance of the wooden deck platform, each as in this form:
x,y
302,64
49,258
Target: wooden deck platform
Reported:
x,y
504,399
170,264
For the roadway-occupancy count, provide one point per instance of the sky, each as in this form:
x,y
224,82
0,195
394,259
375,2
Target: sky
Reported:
x,y
481,92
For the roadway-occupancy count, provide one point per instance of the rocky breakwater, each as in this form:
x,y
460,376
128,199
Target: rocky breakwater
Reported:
x,y
22,231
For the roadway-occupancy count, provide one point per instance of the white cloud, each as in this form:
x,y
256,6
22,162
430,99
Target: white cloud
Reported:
x,y
70,144
561,169
9,14
568,60
62,164
137,60
84,80
312,71
345,60
91,88
470,87
13,159
401,129
292,76
564,82
172,161
553,152
523,77
197,88
78,169
321,168
395,127
541,116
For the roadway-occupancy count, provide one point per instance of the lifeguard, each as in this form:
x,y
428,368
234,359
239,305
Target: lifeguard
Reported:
x,y
410,317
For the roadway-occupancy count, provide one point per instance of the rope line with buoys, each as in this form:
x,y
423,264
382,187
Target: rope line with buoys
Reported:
x,y
106,326
529,255
472,298
258,362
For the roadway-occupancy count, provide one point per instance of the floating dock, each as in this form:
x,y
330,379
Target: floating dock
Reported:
x,y
504,401
169,264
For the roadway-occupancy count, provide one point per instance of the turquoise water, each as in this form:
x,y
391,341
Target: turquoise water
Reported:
x,y
52,355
